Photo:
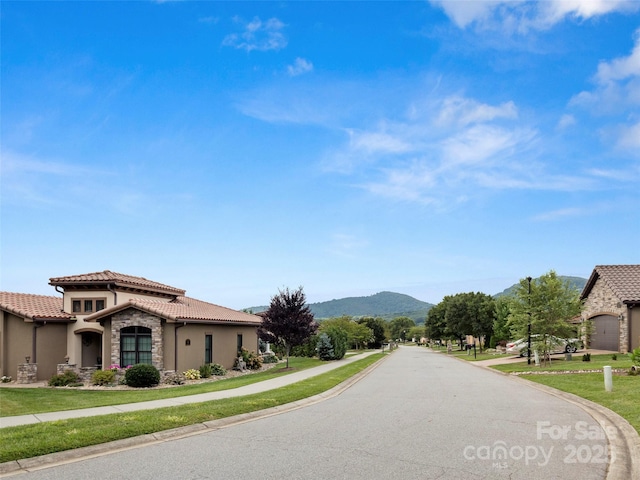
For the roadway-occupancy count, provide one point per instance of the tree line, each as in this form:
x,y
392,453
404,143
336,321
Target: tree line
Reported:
x,y
541,307
290,326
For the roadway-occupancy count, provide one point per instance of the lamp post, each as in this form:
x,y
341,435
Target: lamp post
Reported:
x,y
529,324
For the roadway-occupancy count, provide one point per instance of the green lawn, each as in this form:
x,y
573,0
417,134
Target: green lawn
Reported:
x,y
559,363
39,439
624,399
23,401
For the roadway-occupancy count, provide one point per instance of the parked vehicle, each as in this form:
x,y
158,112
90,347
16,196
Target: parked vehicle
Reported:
x,y
558,345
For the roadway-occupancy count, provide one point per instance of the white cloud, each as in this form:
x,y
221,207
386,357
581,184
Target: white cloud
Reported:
x,y
465,111
617,91
522,15
257,35
566,121
451,152
376,142
629,138
299,67
620,68
560,214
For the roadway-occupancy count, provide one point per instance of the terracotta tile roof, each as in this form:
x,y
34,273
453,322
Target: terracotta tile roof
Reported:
x,y
33,306
624,280
118,279
183,309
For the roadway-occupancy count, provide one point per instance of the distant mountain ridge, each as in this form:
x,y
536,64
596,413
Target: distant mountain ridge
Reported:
x,y
390,305
387,305
576,282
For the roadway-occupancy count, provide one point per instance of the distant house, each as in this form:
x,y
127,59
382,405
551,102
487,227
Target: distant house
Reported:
x,y
612,302
107,318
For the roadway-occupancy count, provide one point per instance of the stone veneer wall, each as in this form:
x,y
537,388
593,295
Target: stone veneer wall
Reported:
x,y
27,373
135,318
603,301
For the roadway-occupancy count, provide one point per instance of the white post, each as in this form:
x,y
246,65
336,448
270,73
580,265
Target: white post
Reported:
x,y
608,379
536,358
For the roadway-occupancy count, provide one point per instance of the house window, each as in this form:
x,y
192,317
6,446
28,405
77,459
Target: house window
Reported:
x,y
135,346
208,349
239,343
87,305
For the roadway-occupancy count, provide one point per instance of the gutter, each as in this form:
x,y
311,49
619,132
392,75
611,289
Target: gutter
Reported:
x,y
115,294
61,292
34,342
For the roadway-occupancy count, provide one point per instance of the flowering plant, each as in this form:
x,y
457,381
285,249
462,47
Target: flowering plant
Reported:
x,y
6,379
114,367
192,374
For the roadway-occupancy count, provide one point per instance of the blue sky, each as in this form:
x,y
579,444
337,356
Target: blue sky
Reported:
x,y
232,149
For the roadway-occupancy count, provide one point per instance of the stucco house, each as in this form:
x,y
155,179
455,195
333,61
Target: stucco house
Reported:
x,y
611,299
108,318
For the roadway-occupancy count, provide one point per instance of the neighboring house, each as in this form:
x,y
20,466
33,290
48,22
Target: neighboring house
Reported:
x,y
107,318
612,302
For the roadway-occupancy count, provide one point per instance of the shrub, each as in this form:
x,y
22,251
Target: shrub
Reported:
x,y
217,369
252,360
64,379
6,378
192,374
103,377
142,375
269,359
614,357
586,357
635,357
307,349
205,370
325,349
339,341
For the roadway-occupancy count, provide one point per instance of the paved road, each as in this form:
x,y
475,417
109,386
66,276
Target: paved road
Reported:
x,y
419,415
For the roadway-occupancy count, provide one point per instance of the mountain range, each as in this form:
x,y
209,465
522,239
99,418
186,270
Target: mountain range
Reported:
x,y
390,305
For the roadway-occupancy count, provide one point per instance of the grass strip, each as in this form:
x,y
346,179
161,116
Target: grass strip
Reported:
x,y
596,363
623,399
24,401
49,437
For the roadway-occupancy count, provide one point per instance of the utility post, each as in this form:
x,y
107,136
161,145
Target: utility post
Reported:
x,y
529,324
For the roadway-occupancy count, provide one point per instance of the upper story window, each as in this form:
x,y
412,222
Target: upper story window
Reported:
x,y
87,305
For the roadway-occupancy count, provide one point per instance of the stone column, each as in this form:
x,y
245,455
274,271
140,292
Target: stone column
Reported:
x,y
27,373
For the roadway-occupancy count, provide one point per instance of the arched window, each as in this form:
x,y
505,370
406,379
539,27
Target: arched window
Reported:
x,y
135,346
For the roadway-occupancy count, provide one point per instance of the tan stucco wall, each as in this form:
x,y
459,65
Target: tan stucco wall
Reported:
x,y
51,348
15,343
224,344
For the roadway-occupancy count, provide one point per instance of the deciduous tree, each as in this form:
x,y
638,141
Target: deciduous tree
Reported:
x,y
547,307
288,321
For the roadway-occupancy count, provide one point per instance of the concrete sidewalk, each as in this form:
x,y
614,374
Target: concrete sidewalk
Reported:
x,y
258,387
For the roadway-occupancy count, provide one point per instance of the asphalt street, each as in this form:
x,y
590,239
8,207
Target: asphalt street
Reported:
x,y
418,415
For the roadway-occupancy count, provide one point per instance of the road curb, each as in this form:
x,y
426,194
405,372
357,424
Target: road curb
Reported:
x,y
68,456
622,437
